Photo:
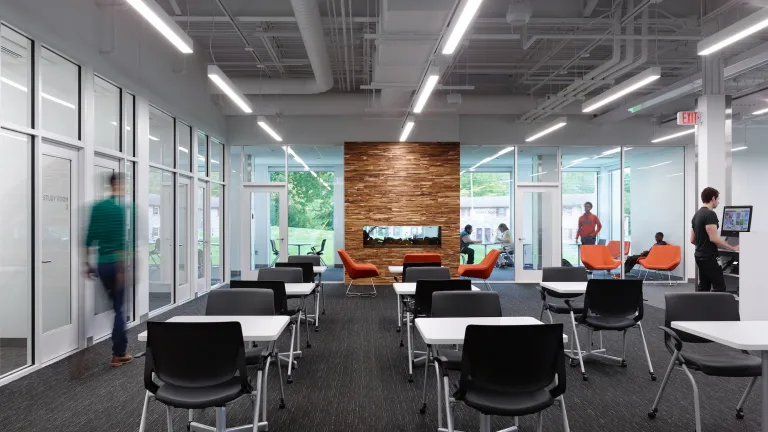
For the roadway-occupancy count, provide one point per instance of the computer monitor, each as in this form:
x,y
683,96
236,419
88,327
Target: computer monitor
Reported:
x,y
736,219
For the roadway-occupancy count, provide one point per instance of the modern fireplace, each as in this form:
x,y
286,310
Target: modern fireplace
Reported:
x,y
401,236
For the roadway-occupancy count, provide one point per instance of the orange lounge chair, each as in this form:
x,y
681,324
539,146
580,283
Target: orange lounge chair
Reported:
x,y
661,259
598,257
483,270
358,271
613,246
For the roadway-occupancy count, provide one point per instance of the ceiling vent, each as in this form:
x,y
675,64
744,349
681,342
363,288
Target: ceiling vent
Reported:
x,y
454,98
519,12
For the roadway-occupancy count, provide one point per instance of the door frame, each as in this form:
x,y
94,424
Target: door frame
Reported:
x,y
203,283
185,292
57,344
245,245
534,276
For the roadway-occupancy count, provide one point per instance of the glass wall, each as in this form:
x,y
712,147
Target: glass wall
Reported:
x,y
129,113
161,238
59,95
107,113
16,78
217,160
217,231
185,145
161,138
202,154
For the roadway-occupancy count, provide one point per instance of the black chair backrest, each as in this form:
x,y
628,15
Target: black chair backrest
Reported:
x,y
277,288
416,274
312,259
322,246
287,275
614,298
514,359
219,354
308,275
425,288
237,301
408,265
457,304
699,306
274,247
562,274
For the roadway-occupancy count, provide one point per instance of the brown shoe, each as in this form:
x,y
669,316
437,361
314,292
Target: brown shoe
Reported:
x,y
119,361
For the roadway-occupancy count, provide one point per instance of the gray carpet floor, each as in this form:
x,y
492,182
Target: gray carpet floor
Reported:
x,y
354,379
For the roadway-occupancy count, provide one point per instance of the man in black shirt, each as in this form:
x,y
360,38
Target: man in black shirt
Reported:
x,y
704,236
632,259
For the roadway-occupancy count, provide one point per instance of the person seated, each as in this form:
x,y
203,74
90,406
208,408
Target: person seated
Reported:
x,y
504,238
632,259
465,240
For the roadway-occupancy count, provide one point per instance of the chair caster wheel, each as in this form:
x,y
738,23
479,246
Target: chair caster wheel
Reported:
x,y
653,377
623,363
423,409
572,363
323,311
585,378
410,379
739,414
290,381
401,344
309,345
398,329
652,414
317,329
282,404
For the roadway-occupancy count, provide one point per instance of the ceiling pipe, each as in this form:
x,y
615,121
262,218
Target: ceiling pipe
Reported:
x,y
248,46
629,45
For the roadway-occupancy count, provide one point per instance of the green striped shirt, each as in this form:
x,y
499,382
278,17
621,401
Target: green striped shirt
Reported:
x,y
108,230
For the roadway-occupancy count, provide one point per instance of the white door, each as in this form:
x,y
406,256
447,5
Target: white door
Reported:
x,y
537,231
103,319
59,230
184,238
265,228
202,228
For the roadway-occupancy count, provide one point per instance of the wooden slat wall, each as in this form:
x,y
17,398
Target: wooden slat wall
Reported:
x,y
401,184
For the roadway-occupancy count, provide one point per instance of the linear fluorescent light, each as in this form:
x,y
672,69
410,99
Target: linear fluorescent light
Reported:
x,y
221,80
643,78
153,138
674,135
296,157
163,23
674,94
183,149
264,124
433,74
409,122
654,166
737,31
490,158
739,148
460,25
762,111
549,128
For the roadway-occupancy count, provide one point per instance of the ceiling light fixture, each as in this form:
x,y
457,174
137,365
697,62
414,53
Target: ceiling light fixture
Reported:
x,y
762,111
153,13
737,31
264,124
490,158
643,78
739,148
549,128
608,152
409,122
433,74
296,157
674,135
221,80
460,25
576,162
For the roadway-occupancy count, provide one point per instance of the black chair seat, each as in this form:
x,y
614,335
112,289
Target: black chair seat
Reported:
x,y
502,403
449,359
201,397
578,308
725,364
255,356
599,322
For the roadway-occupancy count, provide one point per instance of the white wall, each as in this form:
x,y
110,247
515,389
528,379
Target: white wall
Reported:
x,y
750,174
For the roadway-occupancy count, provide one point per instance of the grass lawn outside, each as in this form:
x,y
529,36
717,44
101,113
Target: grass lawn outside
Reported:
x,y
313,236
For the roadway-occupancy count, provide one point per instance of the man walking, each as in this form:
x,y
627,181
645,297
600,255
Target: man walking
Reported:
x,y
704,236
589,226
107,232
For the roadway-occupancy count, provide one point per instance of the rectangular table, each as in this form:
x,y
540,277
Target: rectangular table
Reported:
x,y
319,270
565,287
407,289
743,335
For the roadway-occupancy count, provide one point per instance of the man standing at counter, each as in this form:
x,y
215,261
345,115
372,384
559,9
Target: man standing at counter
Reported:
x,y
704,236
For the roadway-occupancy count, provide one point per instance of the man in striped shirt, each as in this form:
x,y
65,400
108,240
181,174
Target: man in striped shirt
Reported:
x,y
107,231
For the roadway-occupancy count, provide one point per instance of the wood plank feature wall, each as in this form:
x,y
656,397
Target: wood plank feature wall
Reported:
x,y
401,184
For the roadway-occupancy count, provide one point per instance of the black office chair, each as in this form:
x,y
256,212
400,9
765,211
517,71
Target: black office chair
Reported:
x,y
155,254
315,261
416,273
412,265
511,371
275,252
562,274
422,307
308,276
318,253
611,305
456,304
213,377
704,306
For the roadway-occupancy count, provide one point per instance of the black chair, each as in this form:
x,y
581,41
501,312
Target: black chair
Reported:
x,y
213,377
155,254
456,304
415,274
611,305
560,274
704,306
315,261
275,252
422,307
307,271
511,371
318,253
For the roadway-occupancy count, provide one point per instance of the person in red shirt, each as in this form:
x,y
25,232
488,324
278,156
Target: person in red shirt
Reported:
x,y
589,226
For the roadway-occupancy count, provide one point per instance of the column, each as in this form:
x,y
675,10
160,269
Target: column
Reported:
x,y
711,143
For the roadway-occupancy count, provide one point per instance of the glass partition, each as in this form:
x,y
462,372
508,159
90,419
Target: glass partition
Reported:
x,y
16,78
537,165
59,95
161,238
202,154
161,138
184,132
107,113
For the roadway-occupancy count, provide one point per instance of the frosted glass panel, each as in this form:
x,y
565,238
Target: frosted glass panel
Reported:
x,y
59,95
183,219
107,111
16,68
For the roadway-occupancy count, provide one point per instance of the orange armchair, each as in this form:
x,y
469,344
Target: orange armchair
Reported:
x,y
423,258
483,270
598,257
358,271
613,247
662,259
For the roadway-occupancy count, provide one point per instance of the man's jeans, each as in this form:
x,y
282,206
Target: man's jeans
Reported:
x,y
108,273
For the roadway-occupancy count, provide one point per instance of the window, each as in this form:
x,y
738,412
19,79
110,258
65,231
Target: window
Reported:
x,y
16,79
161,241
217,160
202,154
107,113
59,95
217,233
161,138
129,106
185,144
155,210
155,231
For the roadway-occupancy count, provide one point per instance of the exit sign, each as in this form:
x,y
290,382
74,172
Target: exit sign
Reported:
x,y
688,118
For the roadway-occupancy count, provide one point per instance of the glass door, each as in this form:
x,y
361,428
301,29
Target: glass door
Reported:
x,y
537,231
203,246
103,168
184,238
266,223
59,275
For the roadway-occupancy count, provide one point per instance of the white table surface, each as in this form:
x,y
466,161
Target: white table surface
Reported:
x,y
409,288
299,289
743,335
566,287
396,269
450,331
255,328
319,269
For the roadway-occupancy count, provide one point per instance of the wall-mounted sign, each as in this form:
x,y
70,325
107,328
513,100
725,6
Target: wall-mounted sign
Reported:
x,y
688,118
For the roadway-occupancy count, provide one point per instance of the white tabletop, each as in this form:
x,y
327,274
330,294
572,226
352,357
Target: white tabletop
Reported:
x,y
744,335
396,269
299,244
255,328
409,288
449,331
299,289
319,269
566,287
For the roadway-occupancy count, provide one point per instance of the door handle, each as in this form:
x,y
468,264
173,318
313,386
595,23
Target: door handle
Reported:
x,y
46,261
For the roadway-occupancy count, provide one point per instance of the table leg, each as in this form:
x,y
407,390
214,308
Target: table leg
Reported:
x,y
764,395
317,309
399,314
